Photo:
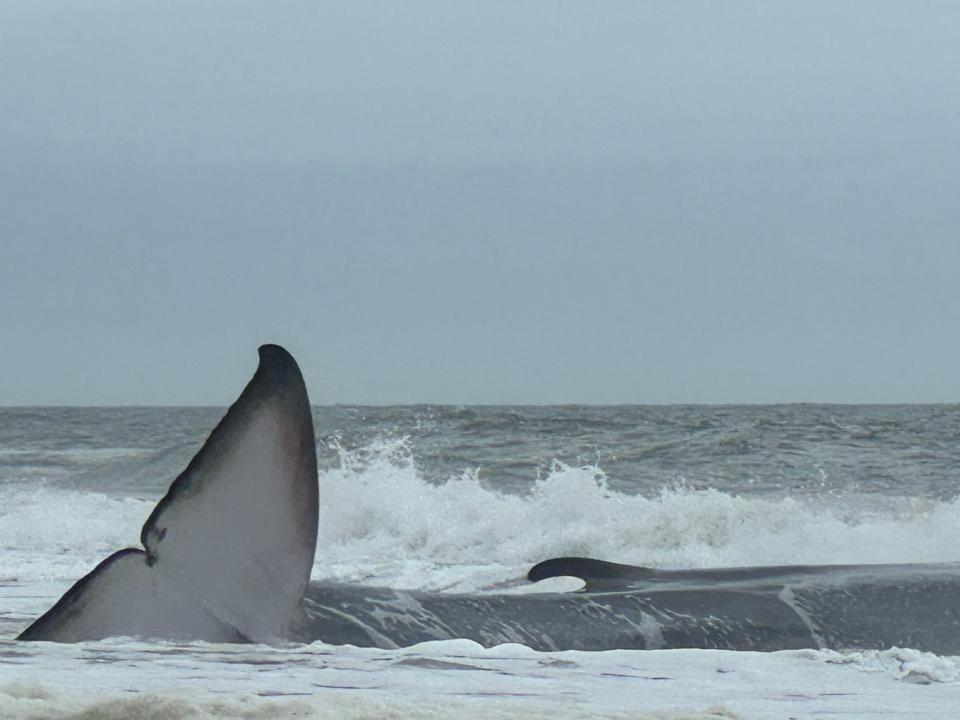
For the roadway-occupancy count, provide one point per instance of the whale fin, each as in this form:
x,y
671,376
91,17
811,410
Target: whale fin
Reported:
x,y
118,597
597,574
229,548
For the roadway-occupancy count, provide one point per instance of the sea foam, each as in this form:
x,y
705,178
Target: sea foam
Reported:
x,y
382,522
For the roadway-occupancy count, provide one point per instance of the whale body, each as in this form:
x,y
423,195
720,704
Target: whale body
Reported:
x,y
227,553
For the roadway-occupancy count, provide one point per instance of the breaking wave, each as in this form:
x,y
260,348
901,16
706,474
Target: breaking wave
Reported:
x,y
382,522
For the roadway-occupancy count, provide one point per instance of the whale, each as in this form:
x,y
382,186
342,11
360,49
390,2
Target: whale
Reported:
x,y
227,554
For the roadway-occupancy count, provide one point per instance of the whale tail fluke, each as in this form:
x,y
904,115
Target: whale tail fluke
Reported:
x,y
229,549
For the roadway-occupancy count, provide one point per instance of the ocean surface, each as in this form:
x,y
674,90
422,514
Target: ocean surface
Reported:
x,y
467,499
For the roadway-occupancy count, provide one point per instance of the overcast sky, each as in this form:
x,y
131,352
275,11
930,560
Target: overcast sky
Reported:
x,y
494,202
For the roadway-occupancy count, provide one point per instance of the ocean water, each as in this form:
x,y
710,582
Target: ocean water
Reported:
x,y
467,499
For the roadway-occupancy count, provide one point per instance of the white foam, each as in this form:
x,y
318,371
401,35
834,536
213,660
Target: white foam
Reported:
x,y
54,533
457,679
36,702
381,522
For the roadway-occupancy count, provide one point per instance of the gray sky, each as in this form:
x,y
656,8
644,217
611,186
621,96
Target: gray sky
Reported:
x,y
481,201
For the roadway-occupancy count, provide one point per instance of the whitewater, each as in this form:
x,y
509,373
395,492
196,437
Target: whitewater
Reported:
x,y
466,500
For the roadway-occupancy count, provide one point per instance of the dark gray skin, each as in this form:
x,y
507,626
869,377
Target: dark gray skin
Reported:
x,y
227,555
763,609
